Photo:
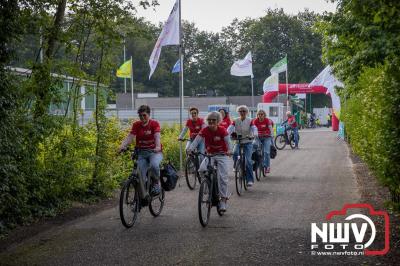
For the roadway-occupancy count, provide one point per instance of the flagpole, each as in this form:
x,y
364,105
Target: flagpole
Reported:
x,y
252,93
287,86
124,62
133,98
181,104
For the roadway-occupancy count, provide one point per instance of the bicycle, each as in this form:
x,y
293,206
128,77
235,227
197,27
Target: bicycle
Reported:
x,y
281,140
209,192
259,163
135,194
240,167
192,168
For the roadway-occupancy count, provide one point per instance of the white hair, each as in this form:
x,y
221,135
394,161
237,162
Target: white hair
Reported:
x,y
214,115
241,107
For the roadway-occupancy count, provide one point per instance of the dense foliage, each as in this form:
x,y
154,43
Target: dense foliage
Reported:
x,y
361,41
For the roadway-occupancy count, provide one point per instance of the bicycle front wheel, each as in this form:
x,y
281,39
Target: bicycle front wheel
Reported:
x,y
258,168
280,142
190,173
239,177
204,202
129,204
157,203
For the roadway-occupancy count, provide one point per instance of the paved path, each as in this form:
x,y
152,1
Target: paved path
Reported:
x,y
268,225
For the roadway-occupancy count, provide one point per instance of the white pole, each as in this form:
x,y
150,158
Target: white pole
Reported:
x,y
252,94
287,90
133,98
124,62
181,93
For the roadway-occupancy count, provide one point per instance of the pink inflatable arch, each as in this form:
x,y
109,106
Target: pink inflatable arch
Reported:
x,y
300,88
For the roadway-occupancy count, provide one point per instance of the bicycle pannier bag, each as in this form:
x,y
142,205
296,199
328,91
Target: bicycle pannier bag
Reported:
x,y
169,177
273,152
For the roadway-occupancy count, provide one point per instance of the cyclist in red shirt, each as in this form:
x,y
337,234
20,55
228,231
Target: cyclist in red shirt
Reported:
x,y
293,124
226,121
146,132
265,134
217,141
194,125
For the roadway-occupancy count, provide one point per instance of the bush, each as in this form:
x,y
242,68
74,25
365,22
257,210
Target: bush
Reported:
x,y
372,121
62,170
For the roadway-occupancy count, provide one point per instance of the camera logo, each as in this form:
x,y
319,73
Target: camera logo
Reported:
x,y
348,234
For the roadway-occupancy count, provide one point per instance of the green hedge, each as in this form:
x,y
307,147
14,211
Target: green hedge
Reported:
x,y
372,118
62,171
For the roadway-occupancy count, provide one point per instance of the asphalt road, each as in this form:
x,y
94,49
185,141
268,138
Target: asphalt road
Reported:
x,y
268,225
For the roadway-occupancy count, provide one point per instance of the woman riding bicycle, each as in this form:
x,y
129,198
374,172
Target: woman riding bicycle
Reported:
x,y
226,121
291,120
243,126
195,125
265,133
146,131
216,139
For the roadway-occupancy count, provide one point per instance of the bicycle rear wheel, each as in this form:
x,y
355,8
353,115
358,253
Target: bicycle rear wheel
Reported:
x,y
280,142
239,177
129,204
292,142
157,203
190,173
204,202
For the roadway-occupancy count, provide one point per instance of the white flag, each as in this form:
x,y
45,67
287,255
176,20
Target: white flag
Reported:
x,y
271,83
243,67
168,36
326,79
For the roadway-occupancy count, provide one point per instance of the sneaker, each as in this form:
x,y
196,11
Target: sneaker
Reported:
x,y
156,189
222,206
250,183
267,170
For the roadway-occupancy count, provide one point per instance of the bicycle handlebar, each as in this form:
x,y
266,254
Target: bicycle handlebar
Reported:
x,y
207,155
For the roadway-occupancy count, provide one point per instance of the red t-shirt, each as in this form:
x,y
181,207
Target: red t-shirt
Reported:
x,y
290,119
226,122
263,127
194,126
145,134
214,140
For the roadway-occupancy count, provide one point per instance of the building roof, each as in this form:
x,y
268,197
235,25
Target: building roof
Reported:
x,y
27,72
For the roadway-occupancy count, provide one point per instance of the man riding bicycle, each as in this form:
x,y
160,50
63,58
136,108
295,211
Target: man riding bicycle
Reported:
x,y
146,131
265,133
216,140
291,120
243,126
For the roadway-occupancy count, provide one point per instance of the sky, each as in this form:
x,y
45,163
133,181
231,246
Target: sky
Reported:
x,y
212,15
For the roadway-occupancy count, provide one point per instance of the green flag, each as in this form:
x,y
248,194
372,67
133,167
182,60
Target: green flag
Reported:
x,y
279,67
124,71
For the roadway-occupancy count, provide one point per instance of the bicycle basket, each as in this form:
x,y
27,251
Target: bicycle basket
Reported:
x,y
168,176
273,152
